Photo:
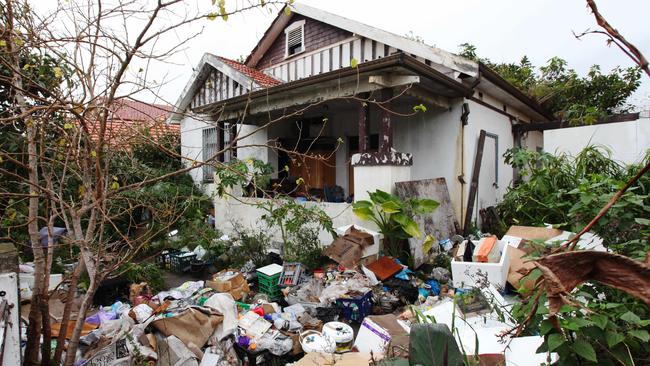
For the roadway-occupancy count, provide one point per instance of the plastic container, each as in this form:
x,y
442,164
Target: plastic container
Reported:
x,y
181,261
341,333
290,274
355,309
315,341
267,279
164,258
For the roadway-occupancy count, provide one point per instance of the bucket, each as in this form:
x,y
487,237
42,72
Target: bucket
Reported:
x,y
315,341
341,333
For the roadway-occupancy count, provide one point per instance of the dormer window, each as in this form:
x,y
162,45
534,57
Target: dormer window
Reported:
x,y
295,38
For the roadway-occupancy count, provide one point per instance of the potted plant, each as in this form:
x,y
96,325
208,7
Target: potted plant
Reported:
x,y
394,219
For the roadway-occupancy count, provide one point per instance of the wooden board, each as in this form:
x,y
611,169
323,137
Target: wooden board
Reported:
x,y
441,223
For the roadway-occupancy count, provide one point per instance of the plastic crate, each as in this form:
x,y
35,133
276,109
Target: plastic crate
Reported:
x,y
181,261
290,274
164,258
269,284
355,309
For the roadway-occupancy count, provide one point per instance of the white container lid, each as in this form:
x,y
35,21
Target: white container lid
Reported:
x,y
339,332
271,269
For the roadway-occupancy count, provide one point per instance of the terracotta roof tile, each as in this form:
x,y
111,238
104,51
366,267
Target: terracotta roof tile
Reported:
x,y
258,76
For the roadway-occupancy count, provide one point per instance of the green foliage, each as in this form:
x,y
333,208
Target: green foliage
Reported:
x,y
562,91
145,272
252,245
610,327
299,225
240,173
394,218
569,192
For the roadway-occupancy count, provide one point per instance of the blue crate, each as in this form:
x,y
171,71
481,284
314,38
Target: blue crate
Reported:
x,y
355,309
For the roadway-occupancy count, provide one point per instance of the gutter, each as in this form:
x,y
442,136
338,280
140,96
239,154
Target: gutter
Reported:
x,y
399,59
497,80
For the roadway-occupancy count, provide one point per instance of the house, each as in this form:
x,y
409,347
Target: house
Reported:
x,y
131,121
305,88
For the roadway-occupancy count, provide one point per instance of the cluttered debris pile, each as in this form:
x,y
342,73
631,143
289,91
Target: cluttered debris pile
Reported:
x,y
360,308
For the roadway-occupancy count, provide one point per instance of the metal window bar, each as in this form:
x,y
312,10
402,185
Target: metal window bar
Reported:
x,y
210,148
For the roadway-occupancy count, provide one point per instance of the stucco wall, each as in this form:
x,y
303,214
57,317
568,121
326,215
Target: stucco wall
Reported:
x,y
244,213
628,141
192,149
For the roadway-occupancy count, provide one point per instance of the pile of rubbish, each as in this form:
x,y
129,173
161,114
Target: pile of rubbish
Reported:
x,y
359,309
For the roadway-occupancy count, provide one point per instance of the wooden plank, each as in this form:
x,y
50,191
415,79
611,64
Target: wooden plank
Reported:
x,y
346,55
326,60
317,66
367,50
308,66
300,68
386,128
357,50
336,58
379,50
474,184
441,223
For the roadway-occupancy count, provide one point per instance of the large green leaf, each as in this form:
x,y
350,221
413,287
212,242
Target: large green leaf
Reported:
x,y
412,228
600,320
380,196
428,243
362,203
641,334
364,213
631,318
424,206
391,207
584,350
554,341
613,338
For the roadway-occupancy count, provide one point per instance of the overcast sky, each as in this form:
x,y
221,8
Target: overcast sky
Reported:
x,y
502,30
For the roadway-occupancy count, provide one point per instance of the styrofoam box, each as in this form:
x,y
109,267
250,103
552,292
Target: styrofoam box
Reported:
x,y
464,274
26,279
369,250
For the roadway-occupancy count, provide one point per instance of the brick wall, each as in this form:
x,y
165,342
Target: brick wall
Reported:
x,y
317,35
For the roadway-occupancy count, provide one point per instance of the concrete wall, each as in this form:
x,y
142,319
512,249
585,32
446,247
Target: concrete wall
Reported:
x,y
628,141
192,148
244,213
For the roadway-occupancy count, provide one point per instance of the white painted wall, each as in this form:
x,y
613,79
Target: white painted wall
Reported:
x,y
383,177
628,141
192,148
244,213
434,139
483,118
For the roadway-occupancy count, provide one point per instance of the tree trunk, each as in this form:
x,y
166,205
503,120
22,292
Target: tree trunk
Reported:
x,y
67,310
71,352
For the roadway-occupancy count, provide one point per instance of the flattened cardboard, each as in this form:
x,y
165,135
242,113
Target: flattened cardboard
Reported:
x,y
235,284
518,264
384,268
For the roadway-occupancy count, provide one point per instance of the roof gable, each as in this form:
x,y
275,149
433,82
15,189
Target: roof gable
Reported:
x,y
284,18
218,78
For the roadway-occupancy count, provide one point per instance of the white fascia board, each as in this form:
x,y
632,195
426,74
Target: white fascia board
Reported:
x,y
436,55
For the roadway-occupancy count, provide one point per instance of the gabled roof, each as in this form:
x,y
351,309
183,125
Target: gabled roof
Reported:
x,y
250,78
408,46
259,77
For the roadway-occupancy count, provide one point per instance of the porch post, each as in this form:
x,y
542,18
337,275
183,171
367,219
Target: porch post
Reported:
x,y
364,122
386,129
220,140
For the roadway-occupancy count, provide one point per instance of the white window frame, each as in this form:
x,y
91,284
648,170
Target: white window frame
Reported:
x,y
293,26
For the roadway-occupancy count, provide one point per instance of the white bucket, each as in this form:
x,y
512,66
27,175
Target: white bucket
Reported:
x,y
341,333
314,341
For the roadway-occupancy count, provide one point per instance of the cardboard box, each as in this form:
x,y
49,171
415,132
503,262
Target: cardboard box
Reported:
x,y
376,332
230,281
464,274
518,239
373,247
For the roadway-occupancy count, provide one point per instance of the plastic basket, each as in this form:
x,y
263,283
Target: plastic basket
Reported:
x,y
355,309
290,275
269,284
164,258
181,261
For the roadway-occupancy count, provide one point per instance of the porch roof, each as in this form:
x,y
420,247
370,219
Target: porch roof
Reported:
x,y
342,83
